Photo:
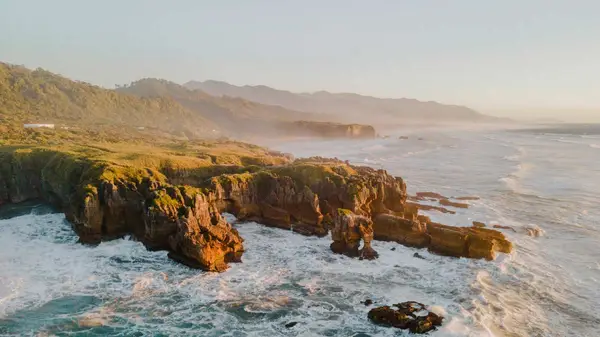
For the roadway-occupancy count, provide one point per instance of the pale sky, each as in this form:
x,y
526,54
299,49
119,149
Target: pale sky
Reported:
x,y
501,56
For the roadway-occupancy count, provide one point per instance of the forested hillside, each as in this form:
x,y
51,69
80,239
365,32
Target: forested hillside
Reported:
x,y
40,96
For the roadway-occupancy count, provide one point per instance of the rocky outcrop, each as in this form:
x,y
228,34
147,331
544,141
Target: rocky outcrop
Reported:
x,y
203,239
104,201
411,316
504,227
305,196
430,208
310,196
328,130
408,232
471,242
347,232
479,224
429,195
446,202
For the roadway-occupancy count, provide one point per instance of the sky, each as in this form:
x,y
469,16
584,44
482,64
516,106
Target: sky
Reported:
x,y
535,58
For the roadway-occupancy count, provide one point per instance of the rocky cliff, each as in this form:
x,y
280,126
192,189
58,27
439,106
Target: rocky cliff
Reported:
x,y
328,130
178,209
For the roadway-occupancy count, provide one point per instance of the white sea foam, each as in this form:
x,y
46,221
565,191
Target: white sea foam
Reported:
x,y
547,287
284,275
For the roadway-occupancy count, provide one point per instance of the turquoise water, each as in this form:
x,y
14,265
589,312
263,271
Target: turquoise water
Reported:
x,y
51,285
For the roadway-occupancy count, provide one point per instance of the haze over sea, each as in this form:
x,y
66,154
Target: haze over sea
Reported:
x,y
549,286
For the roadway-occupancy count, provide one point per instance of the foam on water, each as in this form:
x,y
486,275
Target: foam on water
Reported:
x,y
122,288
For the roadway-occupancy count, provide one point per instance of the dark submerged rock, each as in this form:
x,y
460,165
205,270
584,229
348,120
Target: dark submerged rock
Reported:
x,y
291,325
404,316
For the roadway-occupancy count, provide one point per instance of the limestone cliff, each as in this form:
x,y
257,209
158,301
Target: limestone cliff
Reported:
x,y
328,129
105,201
178,209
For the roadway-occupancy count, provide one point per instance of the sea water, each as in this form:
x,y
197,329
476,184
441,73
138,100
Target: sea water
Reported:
x,y
549,286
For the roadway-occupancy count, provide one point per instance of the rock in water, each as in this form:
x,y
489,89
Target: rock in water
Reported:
x,y
347,232
430,195
367,302
405,317
504,227
446,202
419,256
204,239
478,224
429,208
291,325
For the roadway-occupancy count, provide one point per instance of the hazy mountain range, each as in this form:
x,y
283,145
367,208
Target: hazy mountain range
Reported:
x,y
202,109
347,107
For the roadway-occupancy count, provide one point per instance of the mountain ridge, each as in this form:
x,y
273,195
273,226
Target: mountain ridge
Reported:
x,y
352,106
147,107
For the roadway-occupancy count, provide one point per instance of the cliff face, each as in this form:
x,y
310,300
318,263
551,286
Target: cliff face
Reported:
x,y
310,196
305,196
104,201
329,130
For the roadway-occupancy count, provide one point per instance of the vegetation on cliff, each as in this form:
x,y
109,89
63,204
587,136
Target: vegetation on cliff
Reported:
x,y
148,107
170,196
40,96
246,117
168,188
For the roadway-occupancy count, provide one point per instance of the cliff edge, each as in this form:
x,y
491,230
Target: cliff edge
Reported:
x,y
173,200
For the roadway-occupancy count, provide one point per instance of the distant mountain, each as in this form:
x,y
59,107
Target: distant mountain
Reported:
x,y
39,96
229,113
242,118
148,107
349,107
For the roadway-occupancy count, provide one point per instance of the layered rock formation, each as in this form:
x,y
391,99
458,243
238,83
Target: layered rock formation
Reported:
x,y
105,200
305,196
411,316
471,242
347,232
329,129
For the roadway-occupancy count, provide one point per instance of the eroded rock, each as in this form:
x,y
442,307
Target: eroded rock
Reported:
x,y
446,202
441,239
479,224
429,208
348,231
504,227
104,201
411,316
430,195
204,239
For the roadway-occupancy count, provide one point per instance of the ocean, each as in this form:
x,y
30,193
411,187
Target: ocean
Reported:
x,y
543,179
